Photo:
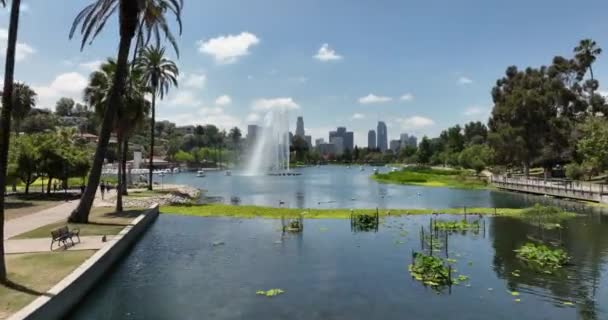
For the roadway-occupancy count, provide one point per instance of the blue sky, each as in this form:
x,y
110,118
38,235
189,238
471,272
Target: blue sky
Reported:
x,y
418,65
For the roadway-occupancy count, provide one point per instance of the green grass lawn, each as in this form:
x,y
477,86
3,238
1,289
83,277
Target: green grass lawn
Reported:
x,y
103,221
428,177
21,205
32,274
222,210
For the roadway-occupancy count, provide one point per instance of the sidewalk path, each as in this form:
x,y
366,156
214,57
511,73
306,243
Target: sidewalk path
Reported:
x,y
33,221
44,245
36,220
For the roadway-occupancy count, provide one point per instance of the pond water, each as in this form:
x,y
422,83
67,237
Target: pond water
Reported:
x,y
343,187
330,272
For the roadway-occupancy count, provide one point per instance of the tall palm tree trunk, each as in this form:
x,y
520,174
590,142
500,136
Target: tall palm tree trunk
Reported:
x,y
81,213
123,163
152,124
119,175
5,121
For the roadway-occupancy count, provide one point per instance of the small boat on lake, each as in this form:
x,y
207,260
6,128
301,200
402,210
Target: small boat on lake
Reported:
x,y
200,173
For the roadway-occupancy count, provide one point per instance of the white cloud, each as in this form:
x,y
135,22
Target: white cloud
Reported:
x,y
205,115
300,79
274,104
223,100
228,49
407,97
603,93
184,98
91,65
372,98
358,116
253,117
414,122
193,80
326,53
464,80
22,50
70,84
475,111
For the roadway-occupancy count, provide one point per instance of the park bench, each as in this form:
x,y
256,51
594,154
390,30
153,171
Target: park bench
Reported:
x,y
63,234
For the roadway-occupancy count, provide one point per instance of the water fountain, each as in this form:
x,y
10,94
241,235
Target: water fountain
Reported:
x,y
270,154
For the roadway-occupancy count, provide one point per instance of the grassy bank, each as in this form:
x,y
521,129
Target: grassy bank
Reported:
x,y
223,210
428,177
102,221
32,274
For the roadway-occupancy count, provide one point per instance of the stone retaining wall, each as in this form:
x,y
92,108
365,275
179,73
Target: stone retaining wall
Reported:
x,y
66,294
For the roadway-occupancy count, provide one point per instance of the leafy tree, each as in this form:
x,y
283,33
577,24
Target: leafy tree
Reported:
x,y
65,107
476,157
27,159
5,117
184,157
593,144
452,139
159,74
424,152
24,99
585,54
39,122
142,19
475,133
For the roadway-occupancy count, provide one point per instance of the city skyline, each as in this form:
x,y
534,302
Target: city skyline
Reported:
x,y
235,64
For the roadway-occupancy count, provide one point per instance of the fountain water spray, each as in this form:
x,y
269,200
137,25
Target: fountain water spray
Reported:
x,y
271,150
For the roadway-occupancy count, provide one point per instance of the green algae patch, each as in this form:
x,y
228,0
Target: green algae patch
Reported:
x,y
429,177
224,210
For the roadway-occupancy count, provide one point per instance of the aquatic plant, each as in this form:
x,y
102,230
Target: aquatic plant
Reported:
x,y
430,270
270,293
364,222
460,225
542,256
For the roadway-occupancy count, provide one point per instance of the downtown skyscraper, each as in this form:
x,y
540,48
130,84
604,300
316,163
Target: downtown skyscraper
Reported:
x,y
382,135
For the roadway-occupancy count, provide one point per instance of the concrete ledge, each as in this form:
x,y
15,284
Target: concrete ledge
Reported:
x,y
66,294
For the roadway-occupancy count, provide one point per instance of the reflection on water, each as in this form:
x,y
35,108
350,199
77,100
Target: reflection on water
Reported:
x,y
330,272
342,187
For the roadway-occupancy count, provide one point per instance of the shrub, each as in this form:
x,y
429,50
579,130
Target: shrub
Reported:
x,y
542,255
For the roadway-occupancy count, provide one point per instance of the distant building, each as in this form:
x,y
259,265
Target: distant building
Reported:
x,y
382,135
348,140
371,139
185,130
326,149
308,140
318,142
408,141
395,145
338,142
300,127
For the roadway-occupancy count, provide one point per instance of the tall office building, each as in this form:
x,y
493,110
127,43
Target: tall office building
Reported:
x,y
319,141
300,127
382,136
348,138
395,145
408,141
371,139
338,143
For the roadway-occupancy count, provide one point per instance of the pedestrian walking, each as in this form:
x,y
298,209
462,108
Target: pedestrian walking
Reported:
x,y
103,189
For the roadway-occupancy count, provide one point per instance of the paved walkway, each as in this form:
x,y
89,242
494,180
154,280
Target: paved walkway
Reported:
x,y
44,245
33,221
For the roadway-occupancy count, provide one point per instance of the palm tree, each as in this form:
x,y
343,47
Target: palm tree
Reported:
x,y
131,112
24,99
585,53
5,118
144,19
159,74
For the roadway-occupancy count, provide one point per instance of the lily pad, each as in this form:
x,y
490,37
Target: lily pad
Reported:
x,y
269,293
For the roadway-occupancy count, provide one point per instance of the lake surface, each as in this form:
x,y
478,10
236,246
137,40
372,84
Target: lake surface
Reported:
x,y
343,187
331,272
